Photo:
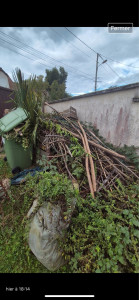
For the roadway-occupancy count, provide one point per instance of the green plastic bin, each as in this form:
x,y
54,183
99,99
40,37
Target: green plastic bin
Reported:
x,y
17,156
12,119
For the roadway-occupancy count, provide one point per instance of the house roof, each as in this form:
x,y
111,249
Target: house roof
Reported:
x,y
11,83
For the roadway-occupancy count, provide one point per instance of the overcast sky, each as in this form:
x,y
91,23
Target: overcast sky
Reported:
x,y
34,49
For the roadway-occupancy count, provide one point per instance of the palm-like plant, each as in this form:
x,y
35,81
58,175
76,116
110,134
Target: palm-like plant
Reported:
x,y
21,89
26,98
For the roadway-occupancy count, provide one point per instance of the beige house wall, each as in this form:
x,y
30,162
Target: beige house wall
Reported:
x,y
113,112
4,80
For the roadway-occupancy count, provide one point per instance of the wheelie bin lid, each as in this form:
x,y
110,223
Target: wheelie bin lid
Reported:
x,y
12,119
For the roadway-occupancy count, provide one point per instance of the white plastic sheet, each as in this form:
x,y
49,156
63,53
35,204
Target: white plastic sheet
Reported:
x,y
45,229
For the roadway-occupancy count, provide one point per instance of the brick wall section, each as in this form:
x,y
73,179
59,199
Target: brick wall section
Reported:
x,y
5,95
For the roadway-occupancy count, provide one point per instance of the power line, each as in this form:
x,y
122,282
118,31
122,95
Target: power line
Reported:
x,y
69,42
31,53
113,70
104,68
115,73
97,52
42,63
34,50
72,45
81,41
85,45
39,63
24,56
120,63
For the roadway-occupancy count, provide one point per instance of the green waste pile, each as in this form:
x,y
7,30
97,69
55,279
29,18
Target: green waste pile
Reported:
x,y
85,184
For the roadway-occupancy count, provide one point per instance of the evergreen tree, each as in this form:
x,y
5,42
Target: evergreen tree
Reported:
x,y
53,86
56,79
62,75
52,75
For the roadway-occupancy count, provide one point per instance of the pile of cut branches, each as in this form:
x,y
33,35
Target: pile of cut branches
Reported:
x,y
102,166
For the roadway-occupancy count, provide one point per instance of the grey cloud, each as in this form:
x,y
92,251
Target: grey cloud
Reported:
x,y
58,43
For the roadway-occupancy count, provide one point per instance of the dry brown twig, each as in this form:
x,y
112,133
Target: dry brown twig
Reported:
x,y
87,166
90,158
108,164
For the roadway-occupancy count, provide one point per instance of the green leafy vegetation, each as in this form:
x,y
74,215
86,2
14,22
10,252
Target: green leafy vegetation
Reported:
x,y
5,170
56,83
102,237
28,95
128,151
53,85
103,233
16,255
26,98
52,187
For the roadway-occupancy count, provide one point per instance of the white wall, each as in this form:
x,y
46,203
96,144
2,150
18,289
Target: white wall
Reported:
x,y
114,114
4,80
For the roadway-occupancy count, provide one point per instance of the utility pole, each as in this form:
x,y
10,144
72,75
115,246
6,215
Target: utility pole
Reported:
x,y
104,61
96,72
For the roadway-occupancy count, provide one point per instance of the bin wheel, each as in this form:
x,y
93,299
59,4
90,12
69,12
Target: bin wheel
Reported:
x,y
16,170
5,158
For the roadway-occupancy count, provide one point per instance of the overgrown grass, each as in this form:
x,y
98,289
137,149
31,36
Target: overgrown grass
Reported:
x,y
103,235
16,257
